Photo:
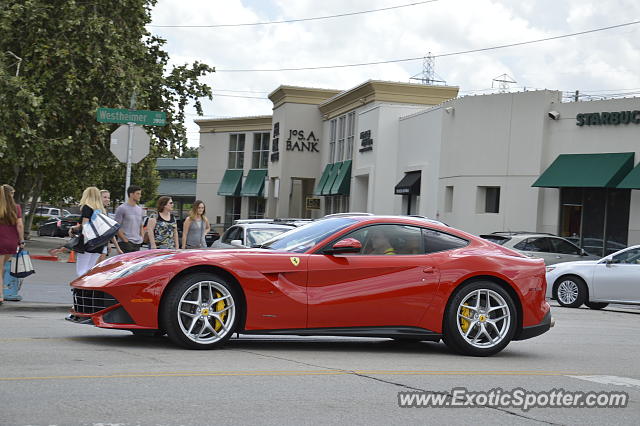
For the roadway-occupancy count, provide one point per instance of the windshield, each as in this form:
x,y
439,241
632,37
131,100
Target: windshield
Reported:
x,y
302,239
260,235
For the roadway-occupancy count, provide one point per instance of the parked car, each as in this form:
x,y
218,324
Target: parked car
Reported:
x,y
613,279
549,247
317,279
51,212
244,235
58,227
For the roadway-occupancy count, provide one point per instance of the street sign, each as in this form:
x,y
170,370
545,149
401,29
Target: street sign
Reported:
x,y
142,117
120,139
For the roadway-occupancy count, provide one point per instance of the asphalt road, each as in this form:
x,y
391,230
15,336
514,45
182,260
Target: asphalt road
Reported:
x,y
56,372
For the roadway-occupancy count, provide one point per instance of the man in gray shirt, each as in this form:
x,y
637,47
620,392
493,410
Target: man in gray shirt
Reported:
x,y
130,217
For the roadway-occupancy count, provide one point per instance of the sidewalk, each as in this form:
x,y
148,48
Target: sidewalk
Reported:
x,y
48,288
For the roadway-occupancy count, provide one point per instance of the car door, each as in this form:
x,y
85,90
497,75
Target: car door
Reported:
x,y
370,288
618,279
564,251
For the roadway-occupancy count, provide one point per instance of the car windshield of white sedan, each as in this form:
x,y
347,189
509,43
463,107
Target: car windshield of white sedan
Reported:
x,y
302,239
258,236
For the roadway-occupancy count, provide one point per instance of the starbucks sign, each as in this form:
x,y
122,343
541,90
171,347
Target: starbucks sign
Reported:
x,y
608,118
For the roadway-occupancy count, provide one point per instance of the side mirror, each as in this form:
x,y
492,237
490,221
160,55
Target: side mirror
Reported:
x,y
236,243
348,245
608,261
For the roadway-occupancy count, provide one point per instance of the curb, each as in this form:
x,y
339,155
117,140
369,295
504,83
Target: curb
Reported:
x,y
41,257
9,306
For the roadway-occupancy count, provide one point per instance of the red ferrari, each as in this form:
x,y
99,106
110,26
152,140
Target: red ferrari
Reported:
x,y
404,278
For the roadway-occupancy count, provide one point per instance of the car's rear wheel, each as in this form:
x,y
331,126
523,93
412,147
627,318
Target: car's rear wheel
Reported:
x,y
200,311
596,305
480,319
570,291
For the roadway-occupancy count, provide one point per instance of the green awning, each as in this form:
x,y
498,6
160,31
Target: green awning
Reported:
x,y
254,183
231,183
333,174
586,171
323,180
342,184
632,181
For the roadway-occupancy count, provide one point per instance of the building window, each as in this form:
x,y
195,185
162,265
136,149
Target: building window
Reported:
x,y
231,210
257,207
336,204
351,131
488,200
332,140
260,157
448,199
341,136
236,151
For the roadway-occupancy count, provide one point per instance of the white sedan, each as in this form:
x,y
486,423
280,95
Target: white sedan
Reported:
x,y
596,283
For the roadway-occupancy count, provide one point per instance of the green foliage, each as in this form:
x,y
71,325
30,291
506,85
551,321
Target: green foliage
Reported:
x,y
78,56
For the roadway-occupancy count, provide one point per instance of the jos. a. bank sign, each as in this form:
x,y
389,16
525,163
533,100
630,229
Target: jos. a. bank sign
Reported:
x,y
608,118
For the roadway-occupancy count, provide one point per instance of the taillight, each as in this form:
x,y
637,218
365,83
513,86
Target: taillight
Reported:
x,y
58,223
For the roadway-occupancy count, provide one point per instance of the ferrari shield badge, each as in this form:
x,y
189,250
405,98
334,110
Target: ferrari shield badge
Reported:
x,y
295,261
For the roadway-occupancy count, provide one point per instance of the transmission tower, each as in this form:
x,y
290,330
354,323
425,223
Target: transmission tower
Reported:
x,y
502,81
428,74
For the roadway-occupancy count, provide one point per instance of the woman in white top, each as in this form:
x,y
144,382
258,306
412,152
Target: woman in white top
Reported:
x,y
195,227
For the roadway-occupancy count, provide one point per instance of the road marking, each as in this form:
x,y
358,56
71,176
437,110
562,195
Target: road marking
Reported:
x,y
297,373
611,380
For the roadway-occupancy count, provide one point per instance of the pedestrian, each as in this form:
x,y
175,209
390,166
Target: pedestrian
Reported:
x,y
90,202
11,230
130,215
106,202
195,227
162,228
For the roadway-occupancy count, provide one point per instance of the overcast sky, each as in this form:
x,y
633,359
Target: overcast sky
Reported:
x,y
597,64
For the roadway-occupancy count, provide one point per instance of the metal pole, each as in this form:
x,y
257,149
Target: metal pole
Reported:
x,y
129,154
127,181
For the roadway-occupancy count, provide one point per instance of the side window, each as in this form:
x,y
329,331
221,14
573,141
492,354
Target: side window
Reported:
x,y
435,241
231,234
541,245
630,256
389,240
563,247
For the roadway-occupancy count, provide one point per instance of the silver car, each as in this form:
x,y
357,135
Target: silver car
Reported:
x,y
613,279
546,246
244,235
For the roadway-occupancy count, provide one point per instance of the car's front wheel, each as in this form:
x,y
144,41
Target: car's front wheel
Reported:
x,y
480,319
200,311
570,291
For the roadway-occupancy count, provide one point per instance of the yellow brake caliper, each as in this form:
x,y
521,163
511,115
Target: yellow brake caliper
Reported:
x,y
219,307
464,324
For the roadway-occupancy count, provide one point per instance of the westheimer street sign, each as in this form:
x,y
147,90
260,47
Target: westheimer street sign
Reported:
x,y
124,116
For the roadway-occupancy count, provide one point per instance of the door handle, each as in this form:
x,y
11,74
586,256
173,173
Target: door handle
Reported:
x,y
429,270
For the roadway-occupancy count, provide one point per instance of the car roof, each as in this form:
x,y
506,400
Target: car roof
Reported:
x,y
265,225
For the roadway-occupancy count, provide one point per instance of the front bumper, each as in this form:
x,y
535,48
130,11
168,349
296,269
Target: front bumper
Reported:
x,y
535,330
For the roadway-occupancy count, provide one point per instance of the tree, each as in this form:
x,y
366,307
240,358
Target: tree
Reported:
x,y
77,56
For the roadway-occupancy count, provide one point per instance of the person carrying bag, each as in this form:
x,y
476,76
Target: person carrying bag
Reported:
x,y
99,230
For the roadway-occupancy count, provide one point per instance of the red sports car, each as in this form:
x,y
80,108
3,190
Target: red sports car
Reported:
x,y
399,277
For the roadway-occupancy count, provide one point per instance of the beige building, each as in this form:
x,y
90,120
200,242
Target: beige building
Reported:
x,y
512,161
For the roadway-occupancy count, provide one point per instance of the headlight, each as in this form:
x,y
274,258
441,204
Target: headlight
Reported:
x,y
140,265
551,268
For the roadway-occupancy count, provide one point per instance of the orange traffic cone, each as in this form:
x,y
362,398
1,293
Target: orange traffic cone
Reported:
x,y
72,257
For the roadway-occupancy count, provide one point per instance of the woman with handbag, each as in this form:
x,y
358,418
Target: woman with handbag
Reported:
x,y
162,229
86,259
195,227
11,230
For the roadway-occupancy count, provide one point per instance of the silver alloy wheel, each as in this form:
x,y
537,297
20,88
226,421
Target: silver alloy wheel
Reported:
x,y
568,292
206,312
483,318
